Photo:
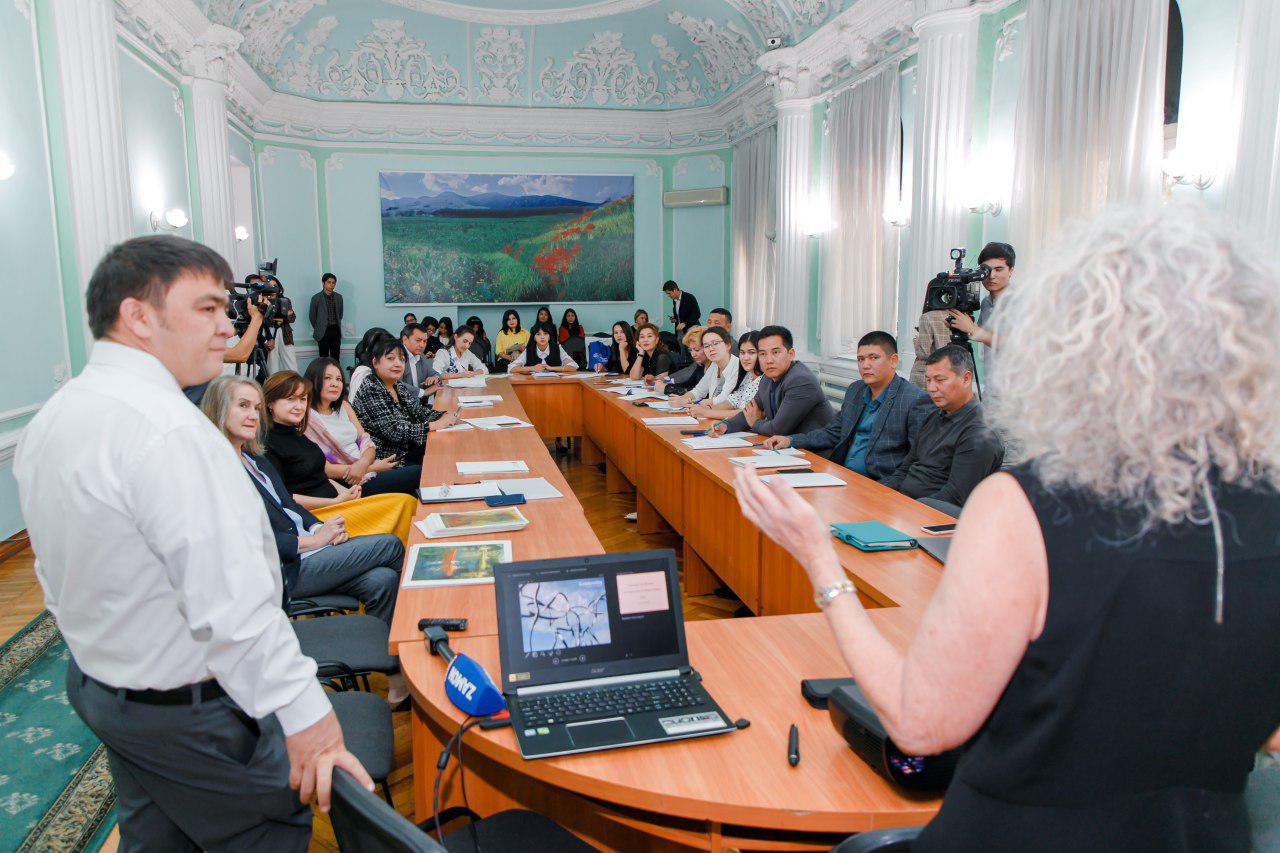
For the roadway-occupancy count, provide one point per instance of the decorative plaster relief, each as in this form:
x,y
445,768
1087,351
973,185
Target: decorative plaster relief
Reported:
x,y
25,7
766,16
299,72
726,54
267,27
604,70
812,12
388,60
500,57
682,90
1007,38
522,17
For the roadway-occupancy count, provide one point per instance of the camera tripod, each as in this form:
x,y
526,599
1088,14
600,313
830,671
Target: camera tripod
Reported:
x,y
961,339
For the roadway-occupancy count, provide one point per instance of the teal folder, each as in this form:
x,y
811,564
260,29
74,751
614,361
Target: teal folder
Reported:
x,y
872,536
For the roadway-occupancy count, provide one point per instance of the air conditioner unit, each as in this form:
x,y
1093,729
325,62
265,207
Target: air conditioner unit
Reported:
x,y
696,198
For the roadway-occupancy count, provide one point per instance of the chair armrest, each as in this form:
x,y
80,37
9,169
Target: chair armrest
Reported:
x,y
895,840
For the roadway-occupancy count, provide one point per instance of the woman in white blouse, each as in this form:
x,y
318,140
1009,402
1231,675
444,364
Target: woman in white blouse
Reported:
x,y
543,354
738,391
721,368
458,361
349,452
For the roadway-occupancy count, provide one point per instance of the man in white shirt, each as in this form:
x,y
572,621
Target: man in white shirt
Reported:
x,y
159,564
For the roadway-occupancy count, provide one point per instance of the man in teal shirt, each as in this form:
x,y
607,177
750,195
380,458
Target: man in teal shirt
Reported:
x,y
878,420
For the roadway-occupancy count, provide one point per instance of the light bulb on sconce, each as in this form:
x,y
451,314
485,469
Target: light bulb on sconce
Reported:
x,y
898,213
173,219
984,208
816,220
242,233
7,167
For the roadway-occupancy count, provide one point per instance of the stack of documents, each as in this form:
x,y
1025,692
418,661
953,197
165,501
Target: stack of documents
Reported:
x,y
768,459
804,481
475,404
514,466
455,428
498,422
584,375
440,524
714,442
533,489
469,382
544,374
664,406
479,398
788,451
677,420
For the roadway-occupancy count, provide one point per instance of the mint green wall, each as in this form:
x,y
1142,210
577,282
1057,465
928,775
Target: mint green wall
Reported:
x,y
156,138
34,346
343,232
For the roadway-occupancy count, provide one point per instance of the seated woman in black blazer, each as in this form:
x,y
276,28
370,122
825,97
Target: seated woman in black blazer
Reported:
x,y
654,361
543,354
622,352
389,410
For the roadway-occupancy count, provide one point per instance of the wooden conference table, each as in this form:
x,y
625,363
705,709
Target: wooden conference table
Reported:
x,y
734,791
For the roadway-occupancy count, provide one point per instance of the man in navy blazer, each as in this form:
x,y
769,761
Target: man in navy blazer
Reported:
x,y
879,419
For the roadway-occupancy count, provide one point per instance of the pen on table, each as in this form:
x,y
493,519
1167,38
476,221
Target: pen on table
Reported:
x,y
793,746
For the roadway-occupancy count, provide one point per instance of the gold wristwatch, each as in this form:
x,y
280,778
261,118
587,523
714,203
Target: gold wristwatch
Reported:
x,y
829,593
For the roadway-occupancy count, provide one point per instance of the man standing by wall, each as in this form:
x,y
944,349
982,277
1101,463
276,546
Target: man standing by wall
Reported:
x,y
326,317
685,313
158,561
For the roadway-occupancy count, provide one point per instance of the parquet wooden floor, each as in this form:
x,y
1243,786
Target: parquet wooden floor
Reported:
x,y
21,600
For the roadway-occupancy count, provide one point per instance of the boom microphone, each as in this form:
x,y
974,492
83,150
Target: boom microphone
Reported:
x,y
467,685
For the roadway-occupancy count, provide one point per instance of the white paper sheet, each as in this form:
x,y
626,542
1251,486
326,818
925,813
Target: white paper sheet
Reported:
x,y
533,488
768,459
805,481
514,466
789,451
479,398
460,491
714,442
497,422
468,382
678,420
455,428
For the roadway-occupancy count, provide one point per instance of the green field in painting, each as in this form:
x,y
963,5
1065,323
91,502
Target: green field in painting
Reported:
x,y
577,257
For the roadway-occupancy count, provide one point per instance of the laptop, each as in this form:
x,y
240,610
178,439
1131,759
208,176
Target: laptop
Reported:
x,y
594,657
936,547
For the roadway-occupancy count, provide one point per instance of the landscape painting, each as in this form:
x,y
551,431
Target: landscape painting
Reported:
x,y
453,237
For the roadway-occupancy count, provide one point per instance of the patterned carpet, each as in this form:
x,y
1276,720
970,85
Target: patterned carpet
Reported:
x,y
55,787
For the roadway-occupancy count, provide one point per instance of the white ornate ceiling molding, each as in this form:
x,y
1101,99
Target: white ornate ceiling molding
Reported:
x,y
522,17
209,57
604,70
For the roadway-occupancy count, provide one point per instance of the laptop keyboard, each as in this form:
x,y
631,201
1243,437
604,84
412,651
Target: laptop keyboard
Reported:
x,y
596,702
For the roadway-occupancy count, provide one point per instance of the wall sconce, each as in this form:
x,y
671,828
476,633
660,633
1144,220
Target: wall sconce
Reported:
x,y
1179,172
986,207
816,219
173,219
7,168
242,233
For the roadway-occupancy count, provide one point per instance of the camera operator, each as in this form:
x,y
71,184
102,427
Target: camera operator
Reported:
x,y
999,258
281,354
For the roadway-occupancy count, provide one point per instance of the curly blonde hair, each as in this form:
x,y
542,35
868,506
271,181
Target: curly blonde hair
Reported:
x,y
1141,361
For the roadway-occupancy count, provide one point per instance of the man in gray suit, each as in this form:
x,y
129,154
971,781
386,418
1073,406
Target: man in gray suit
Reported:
x,y
325,314
789,399
880,417
418,370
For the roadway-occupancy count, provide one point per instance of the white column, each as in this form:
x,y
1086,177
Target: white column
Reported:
x,y
793,87
948,55
1253,180
207,65
84,33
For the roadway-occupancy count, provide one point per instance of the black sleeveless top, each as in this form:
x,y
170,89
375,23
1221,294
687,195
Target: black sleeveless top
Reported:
x,y
1133,719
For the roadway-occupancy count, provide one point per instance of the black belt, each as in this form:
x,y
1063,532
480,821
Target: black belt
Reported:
x,y
191,694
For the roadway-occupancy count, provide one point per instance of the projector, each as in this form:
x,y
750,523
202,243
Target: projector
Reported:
x,y
772,42
852,716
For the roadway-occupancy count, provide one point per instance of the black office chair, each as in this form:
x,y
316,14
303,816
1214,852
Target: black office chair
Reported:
x,y
321,605
364,824
896,840
365,719
577,348
358,642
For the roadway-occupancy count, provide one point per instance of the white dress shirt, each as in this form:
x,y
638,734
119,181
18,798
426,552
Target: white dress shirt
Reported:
x,y
153,546
466,361
711,386
358,376
539,357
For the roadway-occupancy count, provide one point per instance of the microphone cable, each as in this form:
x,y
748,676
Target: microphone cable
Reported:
x,y
442,762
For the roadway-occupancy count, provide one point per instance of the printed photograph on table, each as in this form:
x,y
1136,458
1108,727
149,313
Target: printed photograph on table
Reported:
x,y
476,237
454,563
481,518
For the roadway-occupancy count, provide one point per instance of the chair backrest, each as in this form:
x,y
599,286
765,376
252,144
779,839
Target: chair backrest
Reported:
x,y
577,348
364,823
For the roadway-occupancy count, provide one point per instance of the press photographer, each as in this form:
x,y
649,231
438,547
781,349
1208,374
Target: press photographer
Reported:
x,y
260,294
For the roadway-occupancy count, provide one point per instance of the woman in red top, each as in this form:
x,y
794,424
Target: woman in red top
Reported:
x,y
570,327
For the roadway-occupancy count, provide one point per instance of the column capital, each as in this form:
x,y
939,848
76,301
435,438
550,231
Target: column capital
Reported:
x,y
787,74
941,14
211,53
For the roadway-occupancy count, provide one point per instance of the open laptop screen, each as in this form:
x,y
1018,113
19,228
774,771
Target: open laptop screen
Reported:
x,y
588,617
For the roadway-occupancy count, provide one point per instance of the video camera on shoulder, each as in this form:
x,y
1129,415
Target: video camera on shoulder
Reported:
x,y
956,290
264,289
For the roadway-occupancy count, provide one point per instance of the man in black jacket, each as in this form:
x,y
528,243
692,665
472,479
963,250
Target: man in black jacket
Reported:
x,y
954,450
685,313
325,316
879,420
789,399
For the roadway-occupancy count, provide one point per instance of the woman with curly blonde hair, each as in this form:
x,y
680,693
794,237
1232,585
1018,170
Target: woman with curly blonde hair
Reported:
x,y
1104,637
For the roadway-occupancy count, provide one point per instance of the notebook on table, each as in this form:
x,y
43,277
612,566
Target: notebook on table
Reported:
x,y
872,536
594,657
